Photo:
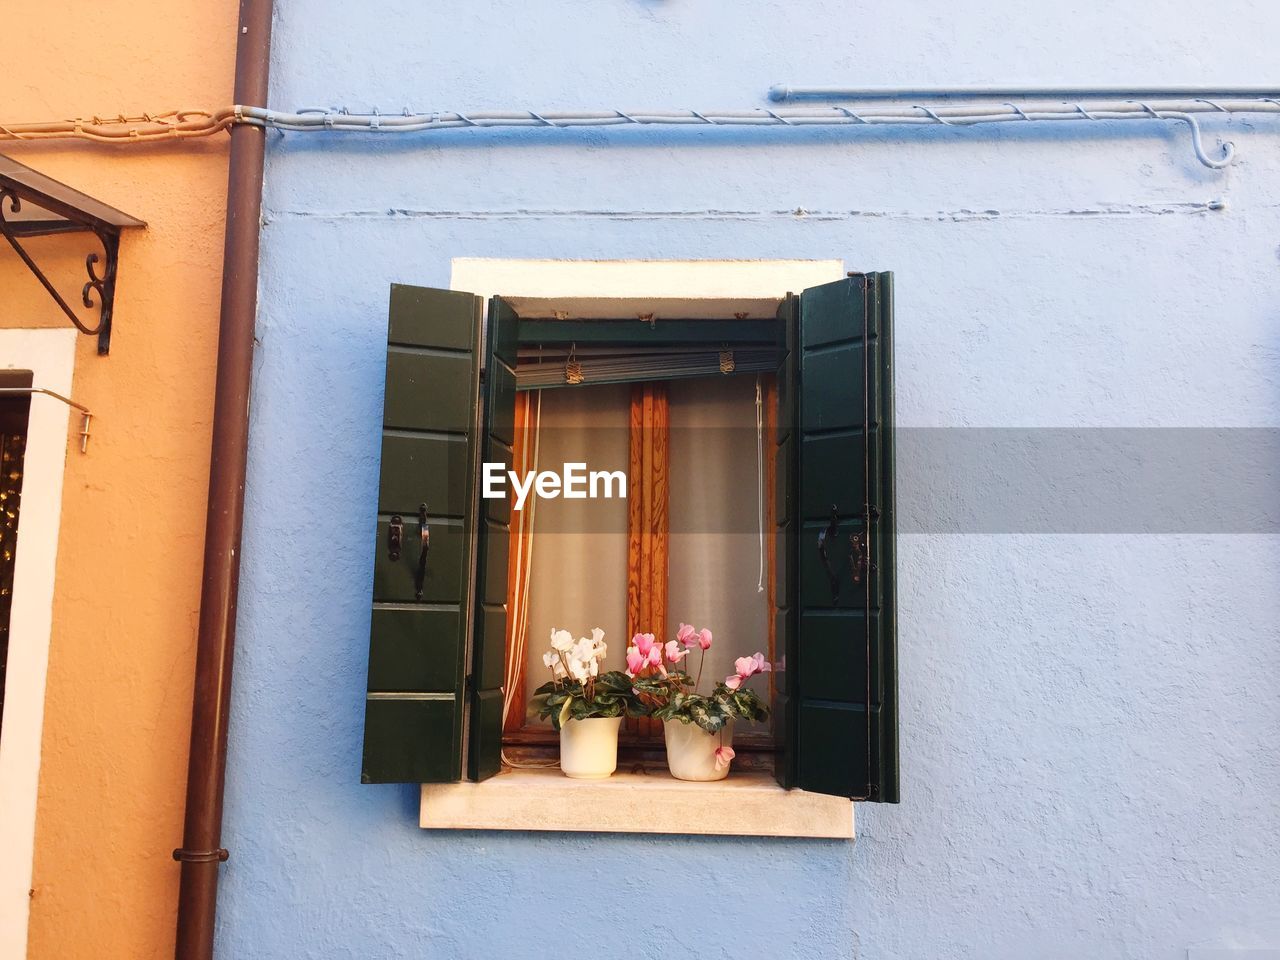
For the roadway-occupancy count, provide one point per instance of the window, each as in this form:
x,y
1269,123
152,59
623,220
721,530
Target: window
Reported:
x,y
14,411
439,661
686,544
44,359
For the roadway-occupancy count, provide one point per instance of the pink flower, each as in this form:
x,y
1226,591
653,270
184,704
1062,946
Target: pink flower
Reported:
x,y
704,638
674,653
747,667
635,661
686,634
643,642
723,756
655,652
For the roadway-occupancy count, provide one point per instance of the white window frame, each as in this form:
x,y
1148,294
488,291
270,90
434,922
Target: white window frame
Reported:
x,y
665,279
50,355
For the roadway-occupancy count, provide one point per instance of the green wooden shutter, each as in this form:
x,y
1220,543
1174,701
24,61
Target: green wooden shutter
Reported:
x,y
844,666
492,547
786,478
417,637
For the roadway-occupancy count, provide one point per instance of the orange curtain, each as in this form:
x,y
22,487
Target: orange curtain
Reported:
x,y
647,521
520,562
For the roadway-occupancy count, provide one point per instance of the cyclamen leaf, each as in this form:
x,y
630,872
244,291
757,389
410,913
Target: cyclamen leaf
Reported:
x,y
703,717
614,680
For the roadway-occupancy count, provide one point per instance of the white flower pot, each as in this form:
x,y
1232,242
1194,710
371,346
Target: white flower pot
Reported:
x,y
691,751
589,748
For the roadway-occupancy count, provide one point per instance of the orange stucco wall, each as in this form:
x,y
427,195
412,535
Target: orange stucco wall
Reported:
x,y
117,709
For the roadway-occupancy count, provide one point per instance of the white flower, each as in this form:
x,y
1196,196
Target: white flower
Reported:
x,y
579,658
582,650
555,664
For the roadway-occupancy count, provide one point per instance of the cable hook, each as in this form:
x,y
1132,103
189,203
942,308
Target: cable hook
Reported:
x,y
1197,141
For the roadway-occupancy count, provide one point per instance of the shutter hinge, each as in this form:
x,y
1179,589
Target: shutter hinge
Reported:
x,y
859,544
858,559
395,537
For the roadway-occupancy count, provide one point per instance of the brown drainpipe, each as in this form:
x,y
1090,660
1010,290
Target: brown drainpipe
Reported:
x,y
201,849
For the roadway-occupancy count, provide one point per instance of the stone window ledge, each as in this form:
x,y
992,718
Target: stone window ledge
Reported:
x,y
744,804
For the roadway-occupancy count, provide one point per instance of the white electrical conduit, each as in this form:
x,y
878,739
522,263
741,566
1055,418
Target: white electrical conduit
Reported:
x,y
315,120
785,91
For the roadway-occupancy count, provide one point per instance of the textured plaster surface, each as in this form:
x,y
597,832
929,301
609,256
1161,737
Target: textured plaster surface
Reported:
x,y
122,648
1089,723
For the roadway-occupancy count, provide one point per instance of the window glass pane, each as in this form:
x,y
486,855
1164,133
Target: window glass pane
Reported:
x,y
579,566
715,543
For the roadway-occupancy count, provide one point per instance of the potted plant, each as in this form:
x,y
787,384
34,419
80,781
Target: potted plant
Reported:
x,y
585,705
697,727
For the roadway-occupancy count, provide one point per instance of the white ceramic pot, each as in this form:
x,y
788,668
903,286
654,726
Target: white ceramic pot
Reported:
x,y
589,748
691,751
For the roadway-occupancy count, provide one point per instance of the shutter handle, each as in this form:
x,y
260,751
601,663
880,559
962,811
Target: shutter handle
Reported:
x,y
824,537
424,534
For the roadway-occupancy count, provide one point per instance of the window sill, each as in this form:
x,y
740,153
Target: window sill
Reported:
x,y
744,804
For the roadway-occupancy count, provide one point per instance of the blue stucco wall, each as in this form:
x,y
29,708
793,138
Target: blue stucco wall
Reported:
x,y
1089,722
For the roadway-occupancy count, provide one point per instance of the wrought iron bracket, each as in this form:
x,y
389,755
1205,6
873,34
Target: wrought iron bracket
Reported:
x,y
99,290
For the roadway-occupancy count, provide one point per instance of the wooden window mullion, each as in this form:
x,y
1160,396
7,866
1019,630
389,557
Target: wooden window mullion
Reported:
x,y
647,522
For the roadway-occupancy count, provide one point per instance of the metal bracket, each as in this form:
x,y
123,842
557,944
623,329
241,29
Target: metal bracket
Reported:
x,y
183,855
85,415
102,284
